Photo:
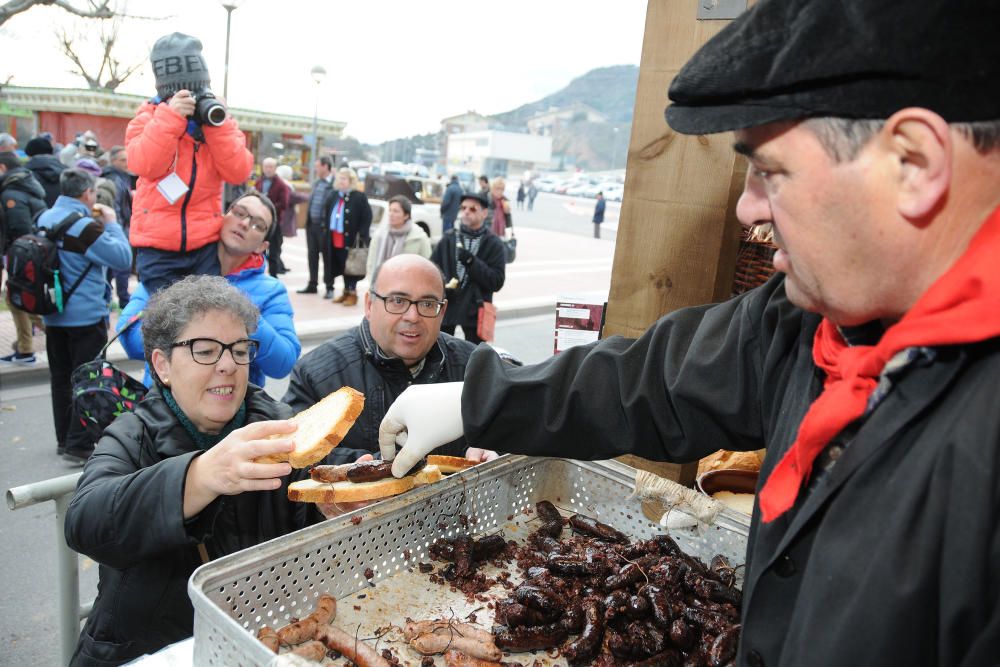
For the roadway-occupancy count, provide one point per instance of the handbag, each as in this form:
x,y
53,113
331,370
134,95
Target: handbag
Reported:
x,y
510,248
486,321
356,265
102,392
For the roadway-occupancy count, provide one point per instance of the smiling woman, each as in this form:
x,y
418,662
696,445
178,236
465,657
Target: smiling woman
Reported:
x,y
175,483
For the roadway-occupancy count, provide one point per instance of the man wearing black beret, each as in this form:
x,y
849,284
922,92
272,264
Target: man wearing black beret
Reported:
x,y
473,262
867,366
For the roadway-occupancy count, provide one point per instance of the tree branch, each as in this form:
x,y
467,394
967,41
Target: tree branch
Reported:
x,y
97,10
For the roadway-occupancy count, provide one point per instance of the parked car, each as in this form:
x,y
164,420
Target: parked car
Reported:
x,y
425,196
614,193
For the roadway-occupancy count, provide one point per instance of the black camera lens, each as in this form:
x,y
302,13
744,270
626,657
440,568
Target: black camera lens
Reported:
x,y
208,110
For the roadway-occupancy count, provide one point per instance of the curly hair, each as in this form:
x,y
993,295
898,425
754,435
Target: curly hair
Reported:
x,y
172,309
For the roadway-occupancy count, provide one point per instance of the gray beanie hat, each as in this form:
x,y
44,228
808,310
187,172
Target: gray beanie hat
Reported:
x,y
178,64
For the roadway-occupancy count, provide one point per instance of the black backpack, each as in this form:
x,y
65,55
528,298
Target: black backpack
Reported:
x,y
33,281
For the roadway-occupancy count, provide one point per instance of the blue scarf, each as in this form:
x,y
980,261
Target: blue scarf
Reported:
x,y
337,214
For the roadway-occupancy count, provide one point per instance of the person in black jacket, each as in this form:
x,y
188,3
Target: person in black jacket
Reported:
x,y
174,484
449,204
23,199
867,366
349,218
474,265
45,166
399,343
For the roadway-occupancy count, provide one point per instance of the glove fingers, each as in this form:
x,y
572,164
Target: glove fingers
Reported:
x,y
388,431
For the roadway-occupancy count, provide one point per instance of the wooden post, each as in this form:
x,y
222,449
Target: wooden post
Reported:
x,y
677,235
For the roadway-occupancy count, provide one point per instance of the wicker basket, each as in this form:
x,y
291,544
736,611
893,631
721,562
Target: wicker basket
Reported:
x,y
753,263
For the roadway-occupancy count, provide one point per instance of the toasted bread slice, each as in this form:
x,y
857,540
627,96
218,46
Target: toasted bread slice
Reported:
x,y
311,491
321,428
449,464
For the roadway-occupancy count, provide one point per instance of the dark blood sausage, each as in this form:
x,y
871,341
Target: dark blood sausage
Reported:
x,y
707,620
584,648
484,549
568,565
488,547
572,618
538,598
593,528
723,649
681,635
660,605
463,556
529,638
372,471
637,641
614,605
716,591
552,523
628,575
638,607
515,614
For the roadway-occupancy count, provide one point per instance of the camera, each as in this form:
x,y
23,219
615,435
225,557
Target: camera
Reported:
x,y
207,109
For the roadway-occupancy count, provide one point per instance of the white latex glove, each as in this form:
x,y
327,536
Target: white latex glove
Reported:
x,y
423,418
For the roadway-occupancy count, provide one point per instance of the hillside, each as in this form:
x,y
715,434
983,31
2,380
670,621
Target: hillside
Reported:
x,y
610,90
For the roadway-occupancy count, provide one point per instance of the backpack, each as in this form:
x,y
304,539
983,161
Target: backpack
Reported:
x,y
33,281
102,392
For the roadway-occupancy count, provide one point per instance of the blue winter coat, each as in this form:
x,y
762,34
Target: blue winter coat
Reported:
x,y
87,242
279,345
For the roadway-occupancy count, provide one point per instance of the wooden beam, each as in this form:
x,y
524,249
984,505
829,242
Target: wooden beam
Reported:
x,y
677,234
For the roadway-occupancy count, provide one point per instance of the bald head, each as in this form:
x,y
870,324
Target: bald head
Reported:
x,y
409,267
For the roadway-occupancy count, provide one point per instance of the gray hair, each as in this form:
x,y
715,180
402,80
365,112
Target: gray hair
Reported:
x,y
74,182
7,140
172,309
843,138
115,152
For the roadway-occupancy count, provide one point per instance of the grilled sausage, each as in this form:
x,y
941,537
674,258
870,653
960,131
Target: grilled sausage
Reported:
x,y
594,528
350,647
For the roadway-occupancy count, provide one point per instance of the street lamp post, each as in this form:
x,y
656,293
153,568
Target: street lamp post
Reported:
x,y
318,73
229,6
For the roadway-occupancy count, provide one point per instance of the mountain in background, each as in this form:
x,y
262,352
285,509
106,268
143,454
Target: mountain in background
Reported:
x,y
610,90
576,143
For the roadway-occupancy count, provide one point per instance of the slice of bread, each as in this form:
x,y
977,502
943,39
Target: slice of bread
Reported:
x,y
449,464
321,428
311,491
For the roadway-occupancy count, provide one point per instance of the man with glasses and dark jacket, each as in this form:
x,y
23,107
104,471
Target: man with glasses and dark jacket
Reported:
x,y
399,343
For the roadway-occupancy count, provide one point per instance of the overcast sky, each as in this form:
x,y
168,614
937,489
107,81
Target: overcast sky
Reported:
x,y
395,67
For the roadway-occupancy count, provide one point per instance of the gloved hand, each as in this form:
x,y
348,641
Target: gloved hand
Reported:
x,y
465,257
423,418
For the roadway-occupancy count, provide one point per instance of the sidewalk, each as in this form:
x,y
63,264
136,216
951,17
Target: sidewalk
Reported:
x,y
549,264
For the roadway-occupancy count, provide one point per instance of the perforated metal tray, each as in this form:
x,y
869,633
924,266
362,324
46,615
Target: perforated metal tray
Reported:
x,y
275,581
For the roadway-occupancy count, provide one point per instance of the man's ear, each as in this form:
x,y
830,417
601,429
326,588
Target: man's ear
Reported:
x,y
921,141
368,304
262,247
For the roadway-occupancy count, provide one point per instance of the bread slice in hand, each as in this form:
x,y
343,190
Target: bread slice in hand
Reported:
x,y
449,464
311,491
321,428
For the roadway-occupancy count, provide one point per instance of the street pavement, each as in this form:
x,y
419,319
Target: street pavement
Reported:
x,y
556,256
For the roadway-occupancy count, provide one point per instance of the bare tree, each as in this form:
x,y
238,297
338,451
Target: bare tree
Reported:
x,y
92,9
110,72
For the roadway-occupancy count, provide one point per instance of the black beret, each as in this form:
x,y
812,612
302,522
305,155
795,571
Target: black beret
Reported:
x,y
478,197
794,59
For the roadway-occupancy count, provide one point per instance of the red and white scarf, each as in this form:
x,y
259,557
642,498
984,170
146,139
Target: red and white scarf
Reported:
x,y
962,306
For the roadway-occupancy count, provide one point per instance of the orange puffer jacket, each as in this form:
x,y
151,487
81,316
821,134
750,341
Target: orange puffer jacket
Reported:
x,y
154,139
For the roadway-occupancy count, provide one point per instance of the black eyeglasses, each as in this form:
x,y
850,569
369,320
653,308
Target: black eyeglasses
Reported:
x,y
208,351
255,221
397,305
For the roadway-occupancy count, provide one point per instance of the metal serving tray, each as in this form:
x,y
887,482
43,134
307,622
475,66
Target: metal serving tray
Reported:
x,y
280,579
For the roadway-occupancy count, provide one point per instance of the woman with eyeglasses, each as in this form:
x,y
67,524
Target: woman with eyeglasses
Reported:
x,y
174,484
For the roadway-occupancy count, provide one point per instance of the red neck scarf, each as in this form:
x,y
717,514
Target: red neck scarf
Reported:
x,y
962,306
